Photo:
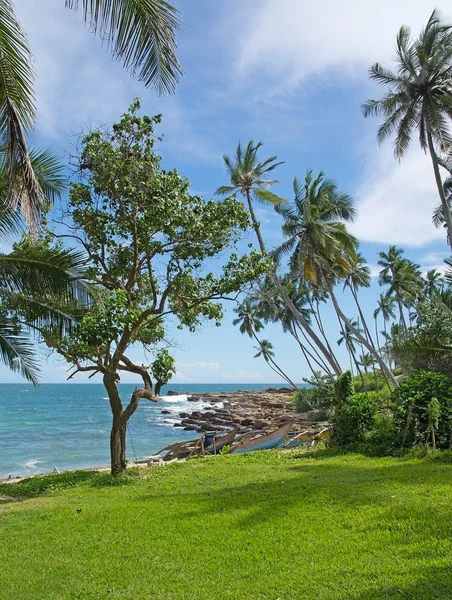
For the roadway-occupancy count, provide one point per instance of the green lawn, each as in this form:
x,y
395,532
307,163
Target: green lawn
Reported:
x,y
262,526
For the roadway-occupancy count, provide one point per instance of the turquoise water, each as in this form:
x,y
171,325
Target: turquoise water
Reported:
x,y
68,425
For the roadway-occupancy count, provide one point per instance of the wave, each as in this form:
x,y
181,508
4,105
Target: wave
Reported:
x,y
31,464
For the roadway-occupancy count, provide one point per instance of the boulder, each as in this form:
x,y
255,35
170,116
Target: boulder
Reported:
x,y
260,424
165,412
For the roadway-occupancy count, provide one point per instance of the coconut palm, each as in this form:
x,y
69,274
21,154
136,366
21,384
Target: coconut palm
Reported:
x,y
247,319
433,283
366,361
320,250
141,34
403,278
250,178
386,309
358,276
41,285
265,349
418,96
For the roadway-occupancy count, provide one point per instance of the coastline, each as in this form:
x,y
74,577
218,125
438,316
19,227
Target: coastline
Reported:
x,y
249,411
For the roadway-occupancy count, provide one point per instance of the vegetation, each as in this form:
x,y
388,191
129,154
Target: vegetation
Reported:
x,y
423,409
147,240
141,34
158,535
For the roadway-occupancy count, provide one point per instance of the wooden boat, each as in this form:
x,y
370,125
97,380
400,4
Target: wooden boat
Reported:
x,y
213,444
295,440
263,442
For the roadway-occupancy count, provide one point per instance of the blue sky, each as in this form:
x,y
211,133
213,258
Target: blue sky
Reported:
x,y
288,73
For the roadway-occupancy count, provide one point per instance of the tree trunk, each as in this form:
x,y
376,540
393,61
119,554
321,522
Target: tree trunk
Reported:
x,y
287,301
370,348
118,429
439,185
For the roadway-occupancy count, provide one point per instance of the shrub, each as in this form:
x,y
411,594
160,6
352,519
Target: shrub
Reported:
x,y
321,394
343,388
353,418
304,400
419,418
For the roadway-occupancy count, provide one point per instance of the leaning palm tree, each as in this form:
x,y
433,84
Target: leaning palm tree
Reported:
x,y
140,33
247,319
319,247
265,349
250,178
418,97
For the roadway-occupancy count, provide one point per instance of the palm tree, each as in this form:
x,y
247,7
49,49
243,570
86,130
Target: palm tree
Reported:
x,y
349,340
357,277
319,247
403,278
366,360
40,284
140,33
247,319
433,283
265,349
249,177
418,96
386,309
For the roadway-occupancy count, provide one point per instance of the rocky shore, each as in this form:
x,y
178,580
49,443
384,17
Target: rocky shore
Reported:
x,y
257,410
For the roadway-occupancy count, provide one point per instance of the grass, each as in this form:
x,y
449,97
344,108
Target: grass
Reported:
x,y
263,526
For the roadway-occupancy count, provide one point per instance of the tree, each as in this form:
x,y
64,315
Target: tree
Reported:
x,y
265,349
433,283
320,250
147,240
140,33
248,177
31,277
403,278
247,319
418,97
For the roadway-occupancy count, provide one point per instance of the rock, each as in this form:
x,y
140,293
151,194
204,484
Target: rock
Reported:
x,y
260,424
172,393
193,398
165,412
177,425
184,415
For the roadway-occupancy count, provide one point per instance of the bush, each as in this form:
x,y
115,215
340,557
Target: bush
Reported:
x,y
304,400
418,417
343,388
321,395
353,418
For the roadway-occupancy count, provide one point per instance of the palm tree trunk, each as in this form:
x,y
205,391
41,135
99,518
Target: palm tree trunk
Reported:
x,y
318,320
439,185
296,313
277,369
361,315
308,355
383,366
316,357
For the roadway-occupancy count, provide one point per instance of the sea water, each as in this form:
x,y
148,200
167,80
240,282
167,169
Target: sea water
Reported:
x,y
67,426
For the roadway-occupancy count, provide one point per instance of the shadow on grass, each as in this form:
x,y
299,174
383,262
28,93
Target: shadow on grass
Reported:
x,y
38,486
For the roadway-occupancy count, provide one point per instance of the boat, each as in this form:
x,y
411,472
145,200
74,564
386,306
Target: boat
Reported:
x,y
275,439
213,444
294,440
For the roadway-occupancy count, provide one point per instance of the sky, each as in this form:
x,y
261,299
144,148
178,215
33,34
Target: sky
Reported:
x,y
290,74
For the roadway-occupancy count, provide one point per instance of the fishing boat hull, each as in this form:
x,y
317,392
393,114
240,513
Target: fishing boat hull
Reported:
x,y
265,442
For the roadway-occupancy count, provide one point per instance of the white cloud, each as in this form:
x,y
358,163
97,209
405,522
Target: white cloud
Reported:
x,y
297,39
395,200
252,376
212,366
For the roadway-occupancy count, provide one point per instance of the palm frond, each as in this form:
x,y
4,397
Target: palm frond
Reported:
x,y
267,196
17,351
140,33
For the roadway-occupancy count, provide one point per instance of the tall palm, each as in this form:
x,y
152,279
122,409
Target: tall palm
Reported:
x,y
265,349
386,308
418,96
319,247
403,278
249,177
247,319
140,33
358,276
433,283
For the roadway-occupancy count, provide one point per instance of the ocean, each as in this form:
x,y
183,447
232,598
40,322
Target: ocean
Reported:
x,y
67,426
